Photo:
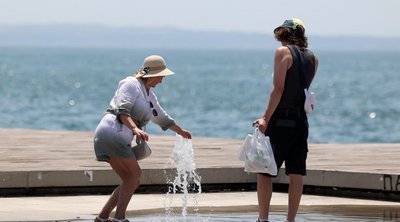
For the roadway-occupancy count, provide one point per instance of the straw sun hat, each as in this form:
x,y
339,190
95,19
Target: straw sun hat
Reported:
x,y
154,66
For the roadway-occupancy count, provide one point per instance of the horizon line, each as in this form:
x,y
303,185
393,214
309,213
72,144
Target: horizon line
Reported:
x,y
166,27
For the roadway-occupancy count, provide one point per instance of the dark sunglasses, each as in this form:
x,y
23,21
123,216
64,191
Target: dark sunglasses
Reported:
x,y
154,111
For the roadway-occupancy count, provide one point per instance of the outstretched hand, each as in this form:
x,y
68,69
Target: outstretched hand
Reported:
x,y
185,134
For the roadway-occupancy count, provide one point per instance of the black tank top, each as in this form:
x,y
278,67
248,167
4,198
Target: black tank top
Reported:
x,y
293,94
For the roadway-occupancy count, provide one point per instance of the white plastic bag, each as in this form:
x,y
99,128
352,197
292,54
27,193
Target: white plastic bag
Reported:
x,y
241,155
260,157
309,103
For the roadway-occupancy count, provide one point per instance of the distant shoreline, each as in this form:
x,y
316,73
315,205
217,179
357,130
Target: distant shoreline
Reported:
x,y
93,36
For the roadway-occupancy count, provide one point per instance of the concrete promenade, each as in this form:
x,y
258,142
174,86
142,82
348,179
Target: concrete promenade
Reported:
x,y
46,159
85,208
35,158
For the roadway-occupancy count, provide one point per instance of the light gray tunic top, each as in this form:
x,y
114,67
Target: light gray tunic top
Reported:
x,y
112,138
131,99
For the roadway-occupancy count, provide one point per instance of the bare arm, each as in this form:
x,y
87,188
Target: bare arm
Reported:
x,y
177,129
316,65
127,121
282,62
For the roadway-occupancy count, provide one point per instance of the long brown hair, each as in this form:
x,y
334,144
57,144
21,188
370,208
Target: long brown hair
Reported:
x,y
292,36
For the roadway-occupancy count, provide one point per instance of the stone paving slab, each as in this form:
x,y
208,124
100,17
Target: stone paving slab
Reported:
x,y
84,208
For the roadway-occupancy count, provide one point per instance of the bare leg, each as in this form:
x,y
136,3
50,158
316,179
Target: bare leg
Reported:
x,y
110,204
129,171
295,192
264,194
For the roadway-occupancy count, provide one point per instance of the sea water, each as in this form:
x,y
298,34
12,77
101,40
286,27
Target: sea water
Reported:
x,y
214,93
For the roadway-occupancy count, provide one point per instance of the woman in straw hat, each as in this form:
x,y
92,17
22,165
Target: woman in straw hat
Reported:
x,y
131,108
285,120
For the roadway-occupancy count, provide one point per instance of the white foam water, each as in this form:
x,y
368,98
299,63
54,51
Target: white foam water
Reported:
x,y
186,180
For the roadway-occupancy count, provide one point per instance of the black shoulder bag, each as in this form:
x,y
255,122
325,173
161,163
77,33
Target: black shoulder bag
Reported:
x,y
310,101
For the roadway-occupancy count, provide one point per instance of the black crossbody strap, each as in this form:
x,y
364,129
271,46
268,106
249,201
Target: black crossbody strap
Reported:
x,y
299,65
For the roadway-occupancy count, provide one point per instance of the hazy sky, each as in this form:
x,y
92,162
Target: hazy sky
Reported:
x,y
378,18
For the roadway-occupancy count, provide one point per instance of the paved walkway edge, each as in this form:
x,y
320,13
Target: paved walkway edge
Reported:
x,y
92,178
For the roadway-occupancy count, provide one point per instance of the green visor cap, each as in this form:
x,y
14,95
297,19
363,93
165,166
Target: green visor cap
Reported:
x,y
292,24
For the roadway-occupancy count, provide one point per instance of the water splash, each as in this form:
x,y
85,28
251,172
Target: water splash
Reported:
x,y
186,179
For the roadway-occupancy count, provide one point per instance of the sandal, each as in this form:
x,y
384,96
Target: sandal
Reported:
x,y
119,220
99,219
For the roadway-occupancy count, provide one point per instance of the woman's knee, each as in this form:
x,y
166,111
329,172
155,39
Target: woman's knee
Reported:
x,y
128,169
136,184
132,181
137,178
137,172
